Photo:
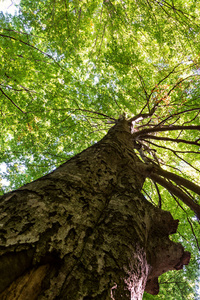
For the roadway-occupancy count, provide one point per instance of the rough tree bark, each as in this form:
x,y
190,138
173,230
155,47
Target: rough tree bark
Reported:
x,y
85,231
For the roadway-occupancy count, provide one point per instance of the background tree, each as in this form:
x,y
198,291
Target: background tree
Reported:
x,y
70,69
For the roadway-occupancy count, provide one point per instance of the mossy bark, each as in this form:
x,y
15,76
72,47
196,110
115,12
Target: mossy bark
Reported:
x,y
85,231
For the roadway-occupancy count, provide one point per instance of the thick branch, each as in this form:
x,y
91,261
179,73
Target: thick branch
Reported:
x,y
166,128
177,192
179,180
151,172
144,116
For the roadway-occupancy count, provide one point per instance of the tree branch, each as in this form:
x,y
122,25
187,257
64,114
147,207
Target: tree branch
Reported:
x,y
169,149
179,180
150,171
177,114
170,139
12,101
142,83
166,128
159,195
165,78
177,192
186,162
144,116
27,44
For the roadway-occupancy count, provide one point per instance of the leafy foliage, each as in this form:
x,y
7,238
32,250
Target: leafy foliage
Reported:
x,y
69,69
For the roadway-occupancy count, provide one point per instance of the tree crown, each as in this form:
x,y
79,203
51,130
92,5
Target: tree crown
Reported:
x,y
71,69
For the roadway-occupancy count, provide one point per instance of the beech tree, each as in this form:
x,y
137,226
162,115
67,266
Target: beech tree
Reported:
x,y
100,150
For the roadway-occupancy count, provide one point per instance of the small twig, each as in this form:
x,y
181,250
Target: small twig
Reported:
x,y
12,101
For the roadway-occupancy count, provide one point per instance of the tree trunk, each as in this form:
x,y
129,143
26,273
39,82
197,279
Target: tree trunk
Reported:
x,y
85,231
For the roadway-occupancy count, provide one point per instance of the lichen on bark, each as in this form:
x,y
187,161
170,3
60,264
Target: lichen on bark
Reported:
x,y
91,228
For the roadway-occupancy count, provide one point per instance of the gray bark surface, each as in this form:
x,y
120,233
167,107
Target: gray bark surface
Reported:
x,y
85,231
